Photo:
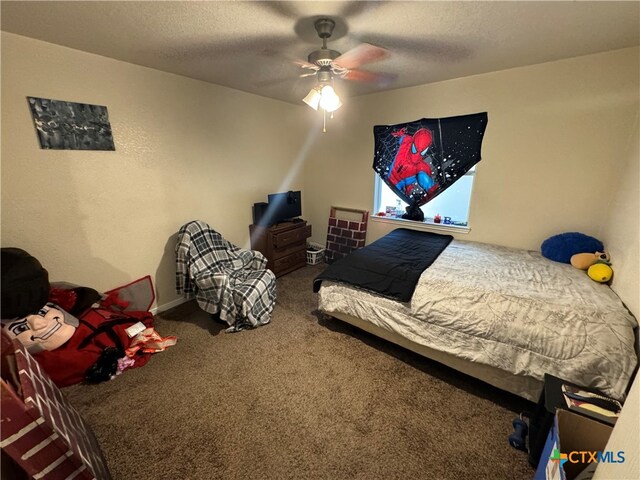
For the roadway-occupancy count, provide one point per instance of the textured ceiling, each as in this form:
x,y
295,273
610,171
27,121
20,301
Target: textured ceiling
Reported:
x,y
251,46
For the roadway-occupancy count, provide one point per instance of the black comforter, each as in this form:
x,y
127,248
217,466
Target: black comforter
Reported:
x,y
390,266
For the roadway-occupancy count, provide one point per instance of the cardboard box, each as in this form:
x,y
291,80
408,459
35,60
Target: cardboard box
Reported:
x,y
571,432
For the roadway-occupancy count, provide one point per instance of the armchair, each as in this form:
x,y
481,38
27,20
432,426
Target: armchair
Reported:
x,y
224,278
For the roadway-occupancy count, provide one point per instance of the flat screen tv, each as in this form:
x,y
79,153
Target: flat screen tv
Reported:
x,y
284,206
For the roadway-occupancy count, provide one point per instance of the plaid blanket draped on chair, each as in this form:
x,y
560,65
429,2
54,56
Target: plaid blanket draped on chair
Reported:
x,y
224,278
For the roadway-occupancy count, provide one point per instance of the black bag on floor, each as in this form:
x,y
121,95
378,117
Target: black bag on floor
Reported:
x,y
25,284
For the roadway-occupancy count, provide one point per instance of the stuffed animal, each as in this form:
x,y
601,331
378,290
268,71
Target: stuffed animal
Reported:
x,y
583,261
69,334
597,265
47,329
560,248
600,272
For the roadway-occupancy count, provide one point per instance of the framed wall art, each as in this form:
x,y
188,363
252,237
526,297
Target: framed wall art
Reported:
x,y
64,125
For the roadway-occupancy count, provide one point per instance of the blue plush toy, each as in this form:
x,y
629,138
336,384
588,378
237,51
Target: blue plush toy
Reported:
x,y
560,248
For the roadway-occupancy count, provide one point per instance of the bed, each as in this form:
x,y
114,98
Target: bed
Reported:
x,y
503,315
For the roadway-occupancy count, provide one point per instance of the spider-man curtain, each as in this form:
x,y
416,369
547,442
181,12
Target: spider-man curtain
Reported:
x,y
419,160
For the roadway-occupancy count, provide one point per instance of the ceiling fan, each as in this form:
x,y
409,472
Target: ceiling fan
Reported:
x,y
328,64
343,65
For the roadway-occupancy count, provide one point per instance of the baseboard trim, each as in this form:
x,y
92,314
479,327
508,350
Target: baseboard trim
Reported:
x,y
169,305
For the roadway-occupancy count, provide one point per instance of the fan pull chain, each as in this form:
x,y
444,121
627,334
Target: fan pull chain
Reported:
x,y
324,121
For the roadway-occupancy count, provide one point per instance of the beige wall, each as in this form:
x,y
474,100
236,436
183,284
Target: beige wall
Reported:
x,y
620,232
185,150
624,437
552,153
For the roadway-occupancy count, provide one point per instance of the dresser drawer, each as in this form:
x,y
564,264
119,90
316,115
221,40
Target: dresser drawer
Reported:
x,y
294,260
290,249
289,237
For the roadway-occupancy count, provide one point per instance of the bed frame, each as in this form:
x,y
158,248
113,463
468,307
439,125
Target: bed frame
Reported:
x,y
526,387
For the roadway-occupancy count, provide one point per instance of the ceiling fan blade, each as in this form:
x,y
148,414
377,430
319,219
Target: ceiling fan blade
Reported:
x,y
354,9
363,53
307,65
439,49
381,79
310,74
301,63
282,9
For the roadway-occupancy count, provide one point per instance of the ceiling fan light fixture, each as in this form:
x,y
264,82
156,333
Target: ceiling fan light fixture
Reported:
x,y
330,101
323,96
313,98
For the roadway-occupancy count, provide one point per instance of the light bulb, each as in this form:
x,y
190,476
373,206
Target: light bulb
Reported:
x,y
313,98
330,100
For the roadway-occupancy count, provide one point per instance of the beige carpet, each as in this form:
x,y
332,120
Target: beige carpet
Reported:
x,y
302,397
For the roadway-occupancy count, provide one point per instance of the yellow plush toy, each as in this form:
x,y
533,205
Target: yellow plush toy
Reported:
x,y
583,261
600,272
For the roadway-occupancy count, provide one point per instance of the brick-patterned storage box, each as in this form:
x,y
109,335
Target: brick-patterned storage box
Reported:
x,y
44,435
345,235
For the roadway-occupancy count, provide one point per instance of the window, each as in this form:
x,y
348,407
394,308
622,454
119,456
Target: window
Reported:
x,y
452,204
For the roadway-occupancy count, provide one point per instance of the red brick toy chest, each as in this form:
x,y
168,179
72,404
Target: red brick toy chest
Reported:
x,y
39,430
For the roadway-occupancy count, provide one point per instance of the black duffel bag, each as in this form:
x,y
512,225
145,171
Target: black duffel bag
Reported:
x,y
25,284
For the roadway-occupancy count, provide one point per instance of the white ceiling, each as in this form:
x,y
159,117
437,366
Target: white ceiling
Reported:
x,y
252,45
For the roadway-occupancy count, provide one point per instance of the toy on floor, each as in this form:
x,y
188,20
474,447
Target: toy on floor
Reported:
x,y
47,329
518,438
74,332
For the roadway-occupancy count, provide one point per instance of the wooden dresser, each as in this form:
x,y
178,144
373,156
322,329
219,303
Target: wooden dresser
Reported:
x,y
284,245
